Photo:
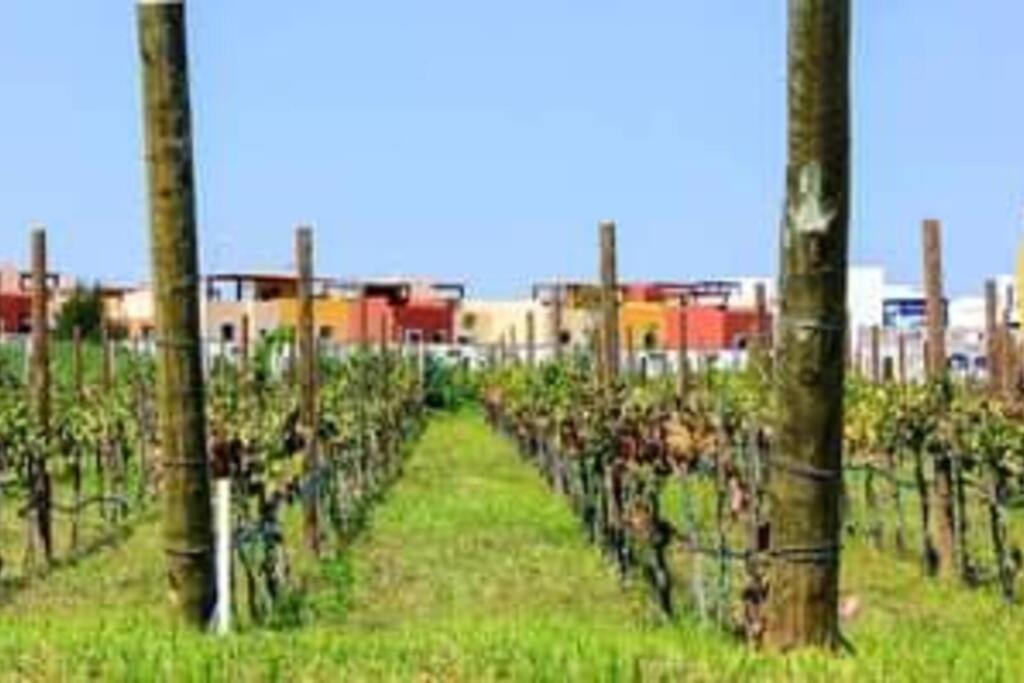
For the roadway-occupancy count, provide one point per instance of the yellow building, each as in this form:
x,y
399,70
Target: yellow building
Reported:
x,y
645,320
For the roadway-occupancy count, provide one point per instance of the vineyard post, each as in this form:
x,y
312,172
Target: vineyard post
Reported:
x,y
992,339
806,477
759,353
244,343
1008,361
39,481
901,350
514,344
682,350
876,354
188,532
307,382
76,473
531,340
945,517
106,359
609,306
630,351
556,322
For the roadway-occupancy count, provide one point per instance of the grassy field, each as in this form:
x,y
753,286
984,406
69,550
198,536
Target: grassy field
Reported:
x,y
472,570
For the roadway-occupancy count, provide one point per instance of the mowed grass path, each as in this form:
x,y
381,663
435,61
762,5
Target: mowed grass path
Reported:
x,y
472,570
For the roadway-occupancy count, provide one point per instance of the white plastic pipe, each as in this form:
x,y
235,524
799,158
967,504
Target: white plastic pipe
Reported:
x,y
222,512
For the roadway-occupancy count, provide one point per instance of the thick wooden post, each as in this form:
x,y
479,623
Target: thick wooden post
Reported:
x,y
531,340
945,517
39,481
609,305
188,530
993,337
307,361
514,345
806,465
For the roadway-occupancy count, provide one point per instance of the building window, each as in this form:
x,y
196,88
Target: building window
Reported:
x,y
326,332
565,337
651,340
437,338
227,332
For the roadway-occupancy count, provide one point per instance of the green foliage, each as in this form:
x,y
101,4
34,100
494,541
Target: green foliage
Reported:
x,y
449,386
84,309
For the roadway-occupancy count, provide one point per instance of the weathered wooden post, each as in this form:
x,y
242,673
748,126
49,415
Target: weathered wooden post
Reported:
x,y
514,345
77,372
556,321
609,306
106,358
531,340
39,481
243,349
307,361
630,351
992,339
683,350
945,517
901,355
806,465
188,531
876,354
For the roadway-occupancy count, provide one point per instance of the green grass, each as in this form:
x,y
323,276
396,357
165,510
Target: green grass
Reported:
x,y
471,570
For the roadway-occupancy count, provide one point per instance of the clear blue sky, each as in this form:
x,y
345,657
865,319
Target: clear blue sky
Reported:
x,y
484,140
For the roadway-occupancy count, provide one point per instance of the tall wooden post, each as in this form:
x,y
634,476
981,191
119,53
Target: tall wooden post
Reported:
x,y
557,309
993,337
531,340
514,345
683,350
39,481
806,465
630,350
364,321
106,358
1007,362
77,368
188,531
945,517
609,305
902,357
307,380
243,351
876,354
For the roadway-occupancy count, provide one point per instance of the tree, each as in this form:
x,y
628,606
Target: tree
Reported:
x,y
806,474
84,309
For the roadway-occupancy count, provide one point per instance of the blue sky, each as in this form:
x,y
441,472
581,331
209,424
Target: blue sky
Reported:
x,y
484,140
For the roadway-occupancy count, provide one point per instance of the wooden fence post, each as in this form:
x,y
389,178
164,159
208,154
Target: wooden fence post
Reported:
x,y
39,481
556,322
188,530
307,382
992,339
682,350
945,517
531,340
806,463
609,305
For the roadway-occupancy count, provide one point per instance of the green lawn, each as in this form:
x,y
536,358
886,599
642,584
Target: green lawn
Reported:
x,y
472,570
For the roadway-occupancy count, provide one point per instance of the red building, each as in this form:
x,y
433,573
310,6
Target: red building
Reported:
x,y
15,313
405,310
711,323
712,328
